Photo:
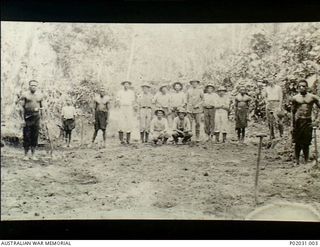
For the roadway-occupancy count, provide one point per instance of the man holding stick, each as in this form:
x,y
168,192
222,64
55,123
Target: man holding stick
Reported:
x,y
31,112
302,123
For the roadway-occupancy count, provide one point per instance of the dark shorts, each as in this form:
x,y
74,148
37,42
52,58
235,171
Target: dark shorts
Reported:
x,y
69,124
241,118
302,132
101,118
31,130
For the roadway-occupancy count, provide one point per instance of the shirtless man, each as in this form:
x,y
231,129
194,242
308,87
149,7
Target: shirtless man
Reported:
x,y
32,103
242,101
101,108
302,104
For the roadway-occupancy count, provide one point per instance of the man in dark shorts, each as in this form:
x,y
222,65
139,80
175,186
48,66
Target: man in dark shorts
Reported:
x,y
242,101
31,102
302,123
68,114
101,108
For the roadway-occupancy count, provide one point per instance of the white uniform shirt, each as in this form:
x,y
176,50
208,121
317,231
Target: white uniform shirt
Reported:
x,y
273,93
68,112
209,99
125,97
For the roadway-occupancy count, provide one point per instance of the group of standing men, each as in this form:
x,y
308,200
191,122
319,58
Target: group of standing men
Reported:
x,y
168,114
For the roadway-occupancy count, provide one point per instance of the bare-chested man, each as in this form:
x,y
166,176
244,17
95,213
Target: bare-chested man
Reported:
x,y
101,108
302,104
242,101
32,103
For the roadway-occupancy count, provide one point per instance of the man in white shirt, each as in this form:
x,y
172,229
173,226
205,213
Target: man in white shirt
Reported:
x,y
125,100
68,114
181,127
159,127
194,105
177,99
145,111
209,101
222,105
273,97
161,99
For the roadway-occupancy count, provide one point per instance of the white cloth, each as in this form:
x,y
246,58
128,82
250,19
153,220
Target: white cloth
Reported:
x,y
223,101
125,97
178,99
209,99
126,118
273,93
161,100
159,125
221,120
68,112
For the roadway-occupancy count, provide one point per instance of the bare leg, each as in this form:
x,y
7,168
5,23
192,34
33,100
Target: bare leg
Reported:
x,y
104,137
305,150
95,133
239,134
243,133
297,150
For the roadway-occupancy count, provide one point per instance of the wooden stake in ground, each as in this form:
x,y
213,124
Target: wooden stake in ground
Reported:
x,y
315,145
49,139
81,143
258,167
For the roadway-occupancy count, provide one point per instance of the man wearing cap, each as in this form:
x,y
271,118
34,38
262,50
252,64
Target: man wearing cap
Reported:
x,y
194,105
159,127
181,127
273,98
145,110
125,100
222,111
209,101
31,111
161,99
302,105
101,115
241,104
177,99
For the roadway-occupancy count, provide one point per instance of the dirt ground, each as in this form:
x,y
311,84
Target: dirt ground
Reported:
x,y
197,181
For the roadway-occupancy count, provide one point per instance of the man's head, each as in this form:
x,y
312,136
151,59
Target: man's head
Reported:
x,y
221,91
33,85
209,89
102,91
194,83
177,86
242,90
303,86
145,88
181,115
164,89
126,84
159,113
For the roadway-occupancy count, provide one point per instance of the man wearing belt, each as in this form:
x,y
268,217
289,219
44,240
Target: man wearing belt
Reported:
x,y
209,101
145,105
178,99
32,103
161,99
194,105
273,98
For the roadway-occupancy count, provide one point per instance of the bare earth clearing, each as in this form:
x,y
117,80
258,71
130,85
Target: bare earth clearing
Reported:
x,y
205,181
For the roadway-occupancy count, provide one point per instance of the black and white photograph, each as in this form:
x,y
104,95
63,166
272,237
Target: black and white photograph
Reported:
x,y
160,121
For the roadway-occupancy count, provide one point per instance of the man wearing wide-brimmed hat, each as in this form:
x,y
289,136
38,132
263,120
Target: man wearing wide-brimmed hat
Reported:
x,y
181,127
159,127
177,99
161,99
145,111
209,102
194,105
222,111
125,100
